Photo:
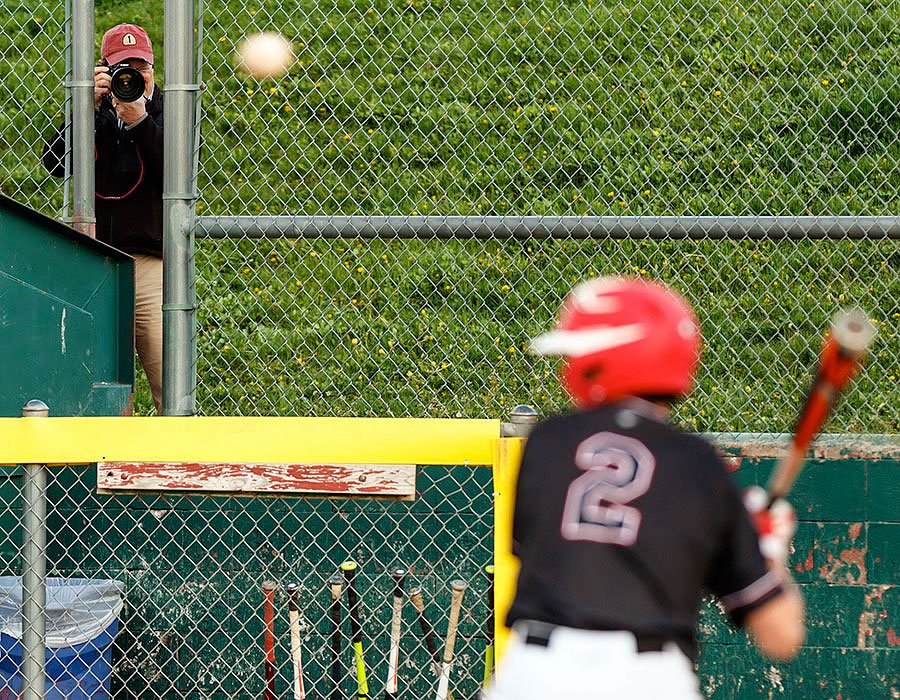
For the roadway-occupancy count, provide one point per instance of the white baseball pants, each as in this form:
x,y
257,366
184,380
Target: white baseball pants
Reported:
x,y
592,665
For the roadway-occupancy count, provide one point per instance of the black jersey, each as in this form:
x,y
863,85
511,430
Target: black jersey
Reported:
x,y
623,522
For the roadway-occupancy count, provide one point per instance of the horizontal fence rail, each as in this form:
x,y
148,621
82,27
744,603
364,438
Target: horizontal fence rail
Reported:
x,y
538,227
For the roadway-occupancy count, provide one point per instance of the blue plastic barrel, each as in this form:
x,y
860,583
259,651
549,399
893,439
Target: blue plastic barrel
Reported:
x,y
81,621
81,672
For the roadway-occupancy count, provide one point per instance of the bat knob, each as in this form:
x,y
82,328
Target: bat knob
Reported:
x,y
399,572
292,587
853,330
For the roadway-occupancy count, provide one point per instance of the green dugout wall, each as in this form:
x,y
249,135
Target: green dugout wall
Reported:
x,y
66,318
194,565
846,559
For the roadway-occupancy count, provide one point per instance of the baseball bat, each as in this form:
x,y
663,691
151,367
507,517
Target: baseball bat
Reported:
x,y
841,356
362,687
458,587
489,629
337,583
390,686
415,597
269,637
296,660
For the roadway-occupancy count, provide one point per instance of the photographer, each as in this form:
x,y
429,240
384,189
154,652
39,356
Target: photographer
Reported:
x,y
128,137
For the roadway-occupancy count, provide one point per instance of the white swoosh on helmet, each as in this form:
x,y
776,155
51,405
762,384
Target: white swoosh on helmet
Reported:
x,y
585,342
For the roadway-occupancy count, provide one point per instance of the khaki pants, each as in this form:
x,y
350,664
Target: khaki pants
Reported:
x,y
148,278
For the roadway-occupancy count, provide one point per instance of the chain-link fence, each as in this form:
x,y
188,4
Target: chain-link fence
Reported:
x,y
546,109
414,108
164,593
192,568
33,46
543,108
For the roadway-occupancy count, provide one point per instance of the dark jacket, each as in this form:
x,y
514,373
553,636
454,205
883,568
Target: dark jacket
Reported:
x,y
129,177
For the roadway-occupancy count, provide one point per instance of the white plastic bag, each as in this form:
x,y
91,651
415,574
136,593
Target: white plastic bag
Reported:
x,y
78,609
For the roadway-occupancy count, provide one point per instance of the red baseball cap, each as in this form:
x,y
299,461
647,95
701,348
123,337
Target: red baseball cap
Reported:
x,y
126,41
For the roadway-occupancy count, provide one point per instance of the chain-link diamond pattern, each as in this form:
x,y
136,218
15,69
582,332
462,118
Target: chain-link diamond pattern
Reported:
x,y
525,108
440,328
33,45
193,568
552,108
543,108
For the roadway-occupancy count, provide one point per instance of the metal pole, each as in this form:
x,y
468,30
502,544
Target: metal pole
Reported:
x,y
521,420
66,212
179,291
34,567
82,85
582,227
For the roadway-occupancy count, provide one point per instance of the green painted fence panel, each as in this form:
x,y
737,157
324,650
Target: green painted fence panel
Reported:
x,y
193,566
66,318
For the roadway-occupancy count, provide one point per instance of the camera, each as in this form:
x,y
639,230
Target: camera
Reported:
x,y
126,82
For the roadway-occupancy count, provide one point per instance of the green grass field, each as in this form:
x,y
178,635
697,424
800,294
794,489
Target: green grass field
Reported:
x,y
560,108
636,108
443,326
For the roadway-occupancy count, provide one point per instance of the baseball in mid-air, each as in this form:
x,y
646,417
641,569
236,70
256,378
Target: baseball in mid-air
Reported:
x,y
265,55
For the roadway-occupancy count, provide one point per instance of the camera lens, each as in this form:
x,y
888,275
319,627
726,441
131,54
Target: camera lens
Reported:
x,y
126,83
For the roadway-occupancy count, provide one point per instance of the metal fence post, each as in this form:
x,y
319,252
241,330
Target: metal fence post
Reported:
x,y
179,293
82,87
34,566
521,420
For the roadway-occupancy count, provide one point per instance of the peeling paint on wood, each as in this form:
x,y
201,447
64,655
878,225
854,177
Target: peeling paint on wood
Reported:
x,y
849,567
827,446
395,480
873,613
833,553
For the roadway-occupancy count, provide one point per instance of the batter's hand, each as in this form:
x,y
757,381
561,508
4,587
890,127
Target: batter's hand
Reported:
x,y
776,525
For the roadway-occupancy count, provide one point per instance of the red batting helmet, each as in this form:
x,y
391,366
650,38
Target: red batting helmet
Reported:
x,y
624,336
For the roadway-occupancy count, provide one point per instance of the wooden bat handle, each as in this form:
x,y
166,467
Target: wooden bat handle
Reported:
x,y
299,692
459,587
392,683
415,597
851,334
337,586
269,638
443,691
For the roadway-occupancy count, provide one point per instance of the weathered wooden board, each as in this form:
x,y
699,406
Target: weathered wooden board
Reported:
x,y
396,480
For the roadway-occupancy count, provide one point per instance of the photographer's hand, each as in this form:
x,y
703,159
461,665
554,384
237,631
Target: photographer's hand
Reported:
x,y
131,112
101,84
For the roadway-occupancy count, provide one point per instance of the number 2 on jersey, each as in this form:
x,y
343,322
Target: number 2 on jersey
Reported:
x,y
617,469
